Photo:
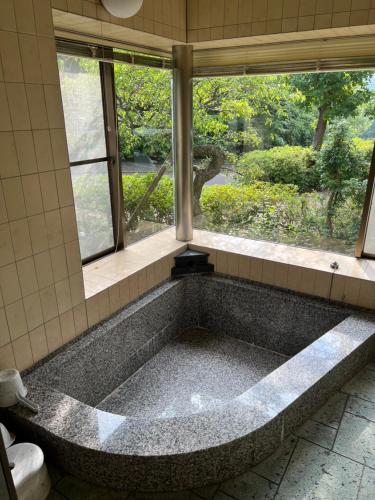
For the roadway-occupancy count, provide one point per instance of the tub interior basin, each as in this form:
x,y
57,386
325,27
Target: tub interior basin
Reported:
x,y
194,372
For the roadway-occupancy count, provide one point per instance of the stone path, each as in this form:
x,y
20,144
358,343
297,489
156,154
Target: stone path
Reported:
x,y
332,456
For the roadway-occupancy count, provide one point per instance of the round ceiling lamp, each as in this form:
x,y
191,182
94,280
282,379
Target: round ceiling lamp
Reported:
x,y
122,8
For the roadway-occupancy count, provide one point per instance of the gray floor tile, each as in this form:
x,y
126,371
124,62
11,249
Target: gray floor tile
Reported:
x,y
274,466
55,474
220,495
172,495
367,488
207,492
76,489
54,495
362,385
361,408
317,433
356,439
331,413
318,474
249,486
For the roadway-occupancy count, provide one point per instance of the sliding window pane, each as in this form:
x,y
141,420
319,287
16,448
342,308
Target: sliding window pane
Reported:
x,y
93,208
370,233
83,107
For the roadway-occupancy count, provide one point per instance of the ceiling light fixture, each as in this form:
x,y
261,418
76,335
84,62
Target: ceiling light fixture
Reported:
x,y
122,8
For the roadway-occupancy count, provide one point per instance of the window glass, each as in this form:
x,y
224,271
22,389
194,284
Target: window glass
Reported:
x,y
144,112
284,158
369,247
83,108
93,208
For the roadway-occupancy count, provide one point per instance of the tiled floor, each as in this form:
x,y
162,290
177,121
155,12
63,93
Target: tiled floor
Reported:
x,y
331,457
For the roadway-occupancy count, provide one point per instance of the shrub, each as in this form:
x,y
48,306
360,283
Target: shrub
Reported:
x,y
159,207
284,165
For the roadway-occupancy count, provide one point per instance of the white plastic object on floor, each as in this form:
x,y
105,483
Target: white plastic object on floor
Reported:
x,y
13,391
8,437
30,475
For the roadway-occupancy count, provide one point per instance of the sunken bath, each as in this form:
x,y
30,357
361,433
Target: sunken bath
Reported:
x,y
193,383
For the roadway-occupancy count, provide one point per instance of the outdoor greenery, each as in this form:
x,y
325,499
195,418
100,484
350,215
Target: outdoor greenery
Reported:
x,y
293,152
297,150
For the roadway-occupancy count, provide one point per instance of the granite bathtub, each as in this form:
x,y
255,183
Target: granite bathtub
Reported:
x,y
191,384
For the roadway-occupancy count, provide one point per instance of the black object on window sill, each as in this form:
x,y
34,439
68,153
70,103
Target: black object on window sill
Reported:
x,y
191,262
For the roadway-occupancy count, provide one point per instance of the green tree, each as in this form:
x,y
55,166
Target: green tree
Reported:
x,y
341,165
333,95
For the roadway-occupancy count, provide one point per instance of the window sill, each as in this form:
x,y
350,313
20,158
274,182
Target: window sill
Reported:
x,y
116,267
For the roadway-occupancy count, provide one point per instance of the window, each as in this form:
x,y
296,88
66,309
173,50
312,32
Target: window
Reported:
x,y
82,93
285,158
144,115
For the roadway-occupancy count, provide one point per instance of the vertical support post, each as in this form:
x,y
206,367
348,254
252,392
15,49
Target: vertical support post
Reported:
x,y
182,140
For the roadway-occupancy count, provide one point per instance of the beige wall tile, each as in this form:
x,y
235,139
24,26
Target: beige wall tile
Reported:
x,y
54,106
306,23
114,298
256,269
58,262
281,275
22,353
124,292
275,9
54,228
6,248
30,58
64,300
33,311
68,331
307,7
3,211
64,187
217,12
290,8
38,233
359,17
73,257
43,17
53,334
340,19
49,302
324,6
323,284
338,288
69,224
80,318
18,108
323,21
49,190
7,15
366,297
38,342
14,200
16,319
43,269
37,106
27,276
360,4
307,283
294,278
4,330
43,150
32,194
259,10
351,292
289,25
25,152
10,56
341,5
9,161
92,306
5,121
10,287
7,357
59,148
268,272
21,239
77,289
48,60
24,16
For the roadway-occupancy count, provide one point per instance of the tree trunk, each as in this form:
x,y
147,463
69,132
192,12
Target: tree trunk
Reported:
x,y
202,175
320,130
